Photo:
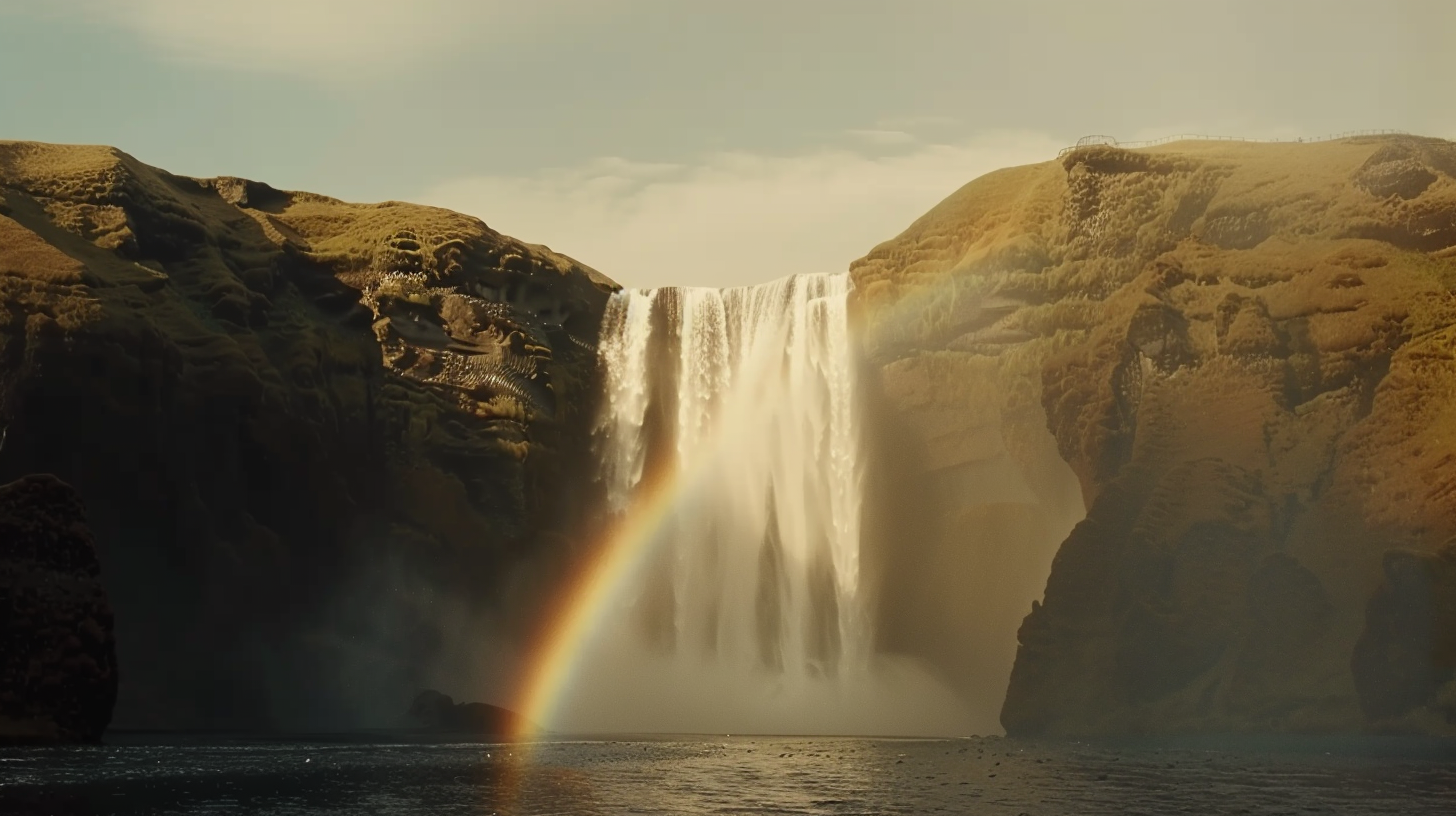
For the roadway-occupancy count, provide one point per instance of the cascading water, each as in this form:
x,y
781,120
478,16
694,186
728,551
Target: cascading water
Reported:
x,y
746,398
750,611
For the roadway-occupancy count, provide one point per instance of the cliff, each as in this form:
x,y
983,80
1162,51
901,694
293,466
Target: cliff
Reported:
x,y
1246,355
307,432
57,653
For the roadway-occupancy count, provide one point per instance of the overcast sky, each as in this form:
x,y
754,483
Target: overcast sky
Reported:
x,y
671,141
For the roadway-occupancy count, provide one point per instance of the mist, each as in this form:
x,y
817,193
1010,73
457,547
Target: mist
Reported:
x,y
822,568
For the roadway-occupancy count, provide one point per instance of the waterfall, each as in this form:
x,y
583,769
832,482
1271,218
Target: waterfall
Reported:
x,y
744,400
731,429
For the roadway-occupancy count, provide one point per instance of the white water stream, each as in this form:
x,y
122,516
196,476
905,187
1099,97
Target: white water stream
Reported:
x,y
750,611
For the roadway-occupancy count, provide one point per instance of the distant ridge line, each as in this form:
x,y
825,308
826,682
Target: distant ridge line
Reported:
x,y
1091,141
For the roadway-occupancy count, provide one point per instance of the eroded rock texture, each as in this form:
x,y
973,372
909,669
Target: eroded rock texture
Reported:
x,y
57,654
1247,355
312,435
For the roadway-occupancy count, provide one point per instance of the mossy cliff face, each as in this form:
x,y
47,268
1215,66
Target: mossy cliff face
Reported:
x,y
1246,353
303,428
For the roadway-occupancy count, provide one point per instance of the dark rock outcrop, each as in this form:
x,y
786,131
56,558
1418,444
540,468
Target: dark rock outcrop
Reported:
x,y
312,436
1405,660
57,654
1246,353
439,712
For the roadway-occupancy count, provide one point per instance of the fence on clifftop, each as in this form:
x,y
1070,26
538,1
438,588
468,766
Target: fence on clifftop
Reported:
x,y
1093,141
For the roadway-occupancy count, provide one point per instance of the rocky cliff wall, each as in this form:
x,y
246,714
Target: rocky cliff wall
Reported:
x,y
312,436
1246,353
57,653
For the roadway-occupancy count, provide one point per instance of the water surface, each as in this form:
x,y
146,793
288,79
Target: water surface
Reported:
x,y
728,775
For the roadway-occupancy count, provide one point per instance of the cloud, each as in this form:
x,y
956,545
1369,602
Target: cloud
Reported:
x,y
916,123
732,218
326,39
883,137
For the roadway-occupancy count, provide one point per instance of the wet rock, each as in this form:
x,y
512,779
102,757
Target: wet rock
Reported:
x,y
440,712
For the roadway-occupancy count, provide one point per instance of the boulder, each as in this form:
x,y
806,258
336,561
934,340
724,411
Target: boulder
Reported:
x,y
439,712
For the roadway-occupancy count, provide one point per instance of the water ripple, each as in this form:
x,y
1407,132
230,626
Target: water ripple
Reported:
x,y
818,777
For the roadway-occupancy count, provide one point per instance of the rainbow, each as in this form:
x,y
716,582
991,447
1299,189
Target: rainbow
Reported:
x,y
572,617
576,610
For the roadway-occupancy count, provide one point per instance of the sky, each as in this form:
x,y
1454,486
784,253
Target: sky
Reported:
x,y
697,143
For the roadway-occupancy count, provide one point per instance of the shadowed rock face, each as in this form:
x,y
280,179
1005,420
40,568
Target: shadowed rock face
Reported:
x,y
1246,354
57,655
1405,661
312,435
